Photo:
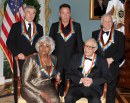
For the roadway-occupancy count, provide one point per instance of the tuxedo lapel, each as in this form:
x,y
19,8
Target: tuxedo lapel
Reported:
x,y
110,41
24,32
93,72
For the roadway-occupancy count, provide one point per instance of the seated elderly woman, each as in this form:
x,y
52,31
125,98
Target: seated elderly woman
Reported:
x,y
38,70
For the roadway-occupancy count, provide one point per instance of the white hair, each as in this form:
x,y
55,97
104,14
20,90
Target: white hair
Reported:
x,y
47,40
92,40
106,15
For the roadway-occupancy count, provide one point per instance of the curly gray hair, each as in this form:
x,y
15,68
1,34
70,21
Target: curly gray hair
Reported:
x,y
47,40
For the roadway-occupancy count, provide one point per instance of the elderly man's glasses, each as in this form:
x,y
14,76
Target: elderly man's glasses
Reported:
x,y
89,47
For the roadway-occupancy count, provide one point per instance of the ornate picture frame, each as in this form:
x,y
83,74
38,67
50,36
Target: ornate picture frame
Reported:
x,y
95,9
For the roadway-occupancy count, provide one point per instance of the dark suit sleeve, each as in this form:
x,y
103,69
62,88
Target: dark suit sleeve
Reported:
x,y
52,31
79,39
106,75
74,75
94,35
72,72
12,39
40,30
120,47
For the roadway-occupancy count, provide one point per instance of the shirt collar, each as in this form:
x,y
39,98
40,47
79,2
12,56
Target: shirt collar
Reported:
x,y
26,23
68,26
91,56
107,30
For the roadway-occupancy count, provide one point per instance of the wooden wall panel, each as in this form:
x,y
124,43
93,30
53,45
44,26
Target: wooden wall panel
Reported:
x,y
124,77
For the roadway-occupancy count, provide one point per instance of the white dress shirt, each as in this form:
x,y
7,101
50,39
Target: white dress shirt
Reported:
x,y
26,23
106,37
88,64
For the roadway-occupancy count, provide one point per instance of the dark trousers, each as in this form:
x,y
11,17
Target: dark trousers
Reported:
x,y
15,92
21,62
111,92
75,93
62,83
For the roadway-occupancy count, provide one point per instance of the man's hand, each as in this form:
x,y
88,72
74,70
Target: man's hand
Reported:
x,y
46,97
109,61
86,81
57,82
21,56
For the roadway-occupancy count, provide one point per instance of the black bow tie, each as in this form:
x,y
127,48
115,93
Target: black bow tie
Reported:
x,y
105,32
88,58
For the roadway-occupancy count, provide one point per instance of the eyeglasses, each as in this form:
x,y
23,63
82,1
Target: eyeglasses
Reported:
x,y
89,47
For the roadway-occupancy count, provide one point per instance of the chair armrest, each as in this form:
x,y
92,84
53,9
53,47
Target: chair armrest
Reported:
x,y
67,87
104,90
62,99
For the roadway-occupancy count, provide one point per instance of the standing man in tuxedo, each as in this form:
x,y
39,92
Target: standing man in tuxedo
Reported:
x,y
68,38
21,40
87,73
111,47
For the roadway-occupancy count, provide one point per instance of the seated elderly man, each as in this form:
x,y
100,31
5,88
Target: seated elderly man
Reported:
x,y
87,73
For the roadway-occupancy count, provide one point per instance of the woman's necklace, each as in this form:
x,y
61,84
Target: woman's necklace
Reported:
x,y
44,63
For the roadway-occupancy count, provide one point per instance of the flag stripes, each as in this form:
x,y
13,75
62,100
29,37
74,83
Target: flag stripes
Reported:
x,y
14,13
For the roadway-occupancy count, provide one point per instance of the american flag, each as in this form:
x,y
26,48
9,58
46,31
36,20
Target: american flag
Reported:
x,y
13,13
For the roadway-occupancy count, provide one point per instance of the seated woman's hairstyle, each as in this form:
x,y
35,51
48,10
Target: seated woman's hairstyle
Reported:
x,y
47,40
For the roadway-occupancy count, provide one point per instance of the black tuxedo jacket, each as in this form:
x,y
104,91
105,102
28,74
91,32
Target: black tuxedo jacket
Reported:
x,y
18,43
115,50
64,50
99,73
